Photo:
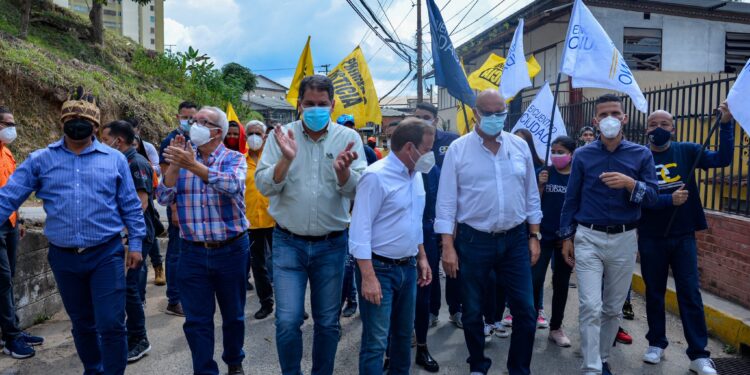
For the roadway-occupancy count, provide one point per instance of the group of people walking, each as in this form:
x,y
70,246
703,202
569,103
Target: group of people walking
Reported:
x,y
309,205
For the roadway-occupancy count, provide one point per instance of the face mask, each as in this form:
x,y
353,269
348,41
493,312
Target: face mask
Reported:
x,y
425,162
113,144
233,143
610,127
78,129
561,161
8,135
659,137
185,125
200,135
492,125
316,118
255,142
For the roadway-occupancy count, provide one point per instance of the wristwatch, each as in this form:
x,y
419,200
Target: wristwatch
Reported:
x,y
536,235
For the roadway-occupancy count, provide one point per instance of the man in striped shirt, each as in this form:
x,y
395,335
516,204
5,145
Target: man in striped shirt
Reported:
x,y
207,182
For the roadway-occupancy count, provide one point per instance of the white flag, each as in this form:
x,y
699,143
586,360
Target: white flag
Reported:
x,y
536,120
592,60
515,72
738,99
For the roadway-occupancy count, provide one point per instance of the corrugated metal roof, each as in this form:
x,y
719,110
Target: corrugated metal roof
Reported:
x,y
390,112
258,101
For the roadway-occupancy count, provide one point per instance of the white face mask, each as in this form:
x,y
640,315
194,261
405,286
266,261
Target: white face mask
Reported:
x,y
8,135
255,142
200,135
610,127
425,162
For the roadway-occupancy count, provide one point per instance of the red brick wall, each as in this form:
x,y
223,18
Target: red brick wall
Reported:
x,y
724,257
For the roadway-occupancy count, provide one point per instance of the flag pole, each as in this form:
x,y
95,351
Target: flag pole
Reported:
x,y
466,118
693,168
552,119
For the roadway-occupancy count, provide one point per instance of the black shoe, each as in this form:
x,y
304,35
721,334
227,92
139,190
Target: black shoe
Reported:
x,y
425,360
386,364
306,316
138,348
175,310
627,311
264,312
349,311
235,370
605,369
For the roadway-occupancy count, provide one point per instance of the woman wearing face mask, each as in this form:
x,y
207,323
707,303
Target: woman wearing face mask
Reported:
x,y
553,195
588,135
235,139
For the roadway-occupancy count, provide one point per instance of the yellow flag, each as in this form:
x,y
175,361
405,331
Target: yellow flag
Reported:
x,y
464,114
304,69
231,114
354,91
488,75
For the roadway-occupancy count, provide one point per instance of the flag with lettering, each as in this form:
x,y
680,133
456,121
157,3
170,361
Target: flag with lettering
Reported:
x,y
515,75
592,60
305,68
448,71
354,91
738,99
489,74
537,121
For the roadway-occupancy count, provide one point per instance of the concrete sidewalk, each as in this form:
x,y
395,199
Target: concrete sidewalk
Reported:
x,y
170,353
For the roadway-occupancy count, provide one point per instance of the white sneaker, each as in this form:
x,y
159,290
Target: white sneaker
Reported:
x,y
653,355
488,330
456,319
541,320
559,338
507,318
703,366
500,330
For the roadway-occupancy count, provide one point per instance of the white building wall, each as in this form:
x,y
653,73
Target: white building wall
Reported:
x,y
130,20
146,25
62,3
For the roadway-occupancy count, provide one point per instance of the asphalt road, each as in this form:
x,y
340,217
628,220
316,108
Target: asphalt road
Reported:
x,y
170,353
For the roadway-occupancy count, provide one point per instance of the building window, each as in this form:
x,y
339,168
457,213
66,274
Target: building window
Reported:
x,y
152,8
154,42
109,12
80,8
153,19
154,31
737,52
642,48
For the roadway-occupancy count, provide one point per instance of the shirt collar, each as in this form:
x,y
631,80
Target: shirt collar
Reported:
x,y
129,153
395,164
94,146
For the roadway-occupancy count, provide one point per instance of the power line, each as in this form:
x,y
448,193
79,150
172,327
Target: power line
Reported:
x,y
382,27
367,32
398,52
385,14
491,20
395,30
464,17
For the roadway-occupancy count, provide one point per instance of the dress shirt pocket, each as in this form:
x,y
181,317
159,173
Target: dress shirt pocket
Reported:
x,y
102,180
518,165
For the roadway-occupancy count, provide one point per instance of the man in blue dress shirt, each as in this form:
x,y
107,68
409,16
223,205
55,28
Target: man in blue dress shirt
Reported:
x,y
89,198
609,181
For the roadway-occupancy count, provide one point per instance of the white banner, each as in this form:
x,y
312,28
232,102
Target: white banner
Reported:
x,y
536,120
515,73
592,60
738,99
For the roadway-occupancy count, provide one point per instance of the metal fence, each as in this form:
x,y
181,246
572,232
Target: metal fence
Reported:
x,y
693,105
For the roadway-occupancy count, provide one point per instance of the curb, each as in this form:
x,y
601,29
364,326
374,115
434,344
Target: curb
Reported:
x,y
723,321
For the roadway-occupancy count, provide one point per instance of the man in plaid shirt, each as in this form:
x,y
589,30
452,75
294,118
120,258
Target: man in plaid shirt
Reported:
x,y
207,182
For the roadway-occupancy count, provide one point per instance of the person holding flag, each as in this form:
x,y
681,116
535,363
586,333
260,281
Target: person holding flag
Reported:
x,y
677,249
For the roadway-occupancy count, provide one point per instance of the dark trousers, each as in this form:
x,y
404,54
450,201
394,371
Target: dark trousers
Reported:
x,y
507,255
261,241
424,294
155,253
349,287
552,252
8,248
452,289
174,248
214,275
92,288
679,253
134,297
144,270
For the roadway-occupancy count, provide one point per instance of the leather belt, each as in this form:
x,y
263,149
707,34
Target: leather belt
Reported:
x,y
610,229
396,262
217,244
83,250
311,238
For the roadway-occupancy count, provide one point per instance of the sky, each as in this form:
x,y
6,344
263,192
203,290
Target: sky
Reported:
x,y
267,36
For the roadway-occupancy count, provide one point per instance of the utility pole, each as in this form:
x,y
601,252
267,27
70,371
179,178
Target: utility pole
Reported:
x,y
326,66
420,94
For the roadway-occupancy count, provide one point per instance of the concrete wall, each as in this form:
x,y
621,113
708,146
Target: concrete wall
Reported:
x,y
34,285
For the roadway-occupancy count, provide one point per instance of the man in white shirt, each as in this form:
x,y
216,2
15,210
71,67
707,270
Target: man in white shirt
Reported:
x,y
386,235
488,186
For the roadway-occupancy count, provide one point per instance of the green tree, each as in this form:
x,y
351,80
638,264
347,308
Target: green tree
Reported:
x,y
234,71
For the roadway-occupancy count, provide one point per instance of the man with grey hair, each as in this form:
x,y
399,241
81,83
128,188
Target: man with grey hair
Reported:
x,y
261,222
207,182
488,186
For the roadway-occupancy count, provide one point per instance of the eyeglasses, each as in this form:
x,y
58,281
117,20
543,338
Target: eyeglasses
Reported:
x,y
490,114
193,121
8,124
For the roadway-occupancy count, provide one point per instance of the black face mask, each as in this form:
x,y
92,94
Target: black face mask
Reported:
x,y
78,129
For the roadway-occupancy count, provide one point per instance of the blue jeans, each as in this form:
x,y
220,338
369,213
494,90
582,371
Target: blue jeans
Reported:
x,y
144,270
134,296
480,253
394,316
174,248
295,261
92,288
214,275
679,253
155,253
424,294
8,248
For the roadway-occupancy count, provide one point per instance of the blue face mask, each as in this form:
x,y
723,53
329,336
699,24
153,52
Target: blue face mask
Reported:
x,y
316,118
493,125
185,126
